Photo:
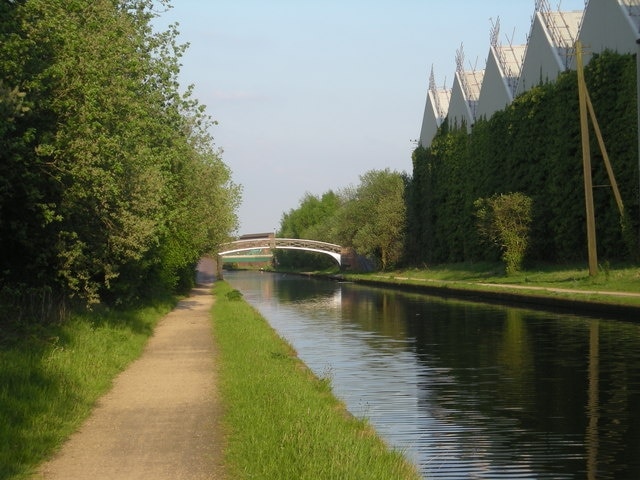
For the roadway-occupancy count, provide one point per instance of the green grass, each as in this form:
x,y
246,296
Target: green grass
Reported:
x,y
51,377
282,421
540,280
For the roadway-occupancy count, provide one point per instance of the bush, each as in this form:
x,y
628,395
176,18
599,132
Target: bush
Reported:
x,y
505,220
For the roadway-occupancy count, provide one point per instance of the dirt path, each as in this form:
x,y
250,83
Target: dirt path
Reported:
x,y
161,418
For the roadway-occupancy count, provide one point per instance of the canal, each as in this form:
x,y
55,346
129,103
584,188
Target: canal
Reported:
x,y
468,390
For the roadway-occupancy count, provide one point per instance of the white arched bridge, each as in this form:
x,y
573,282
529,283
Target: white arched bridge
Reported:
x,y
273,243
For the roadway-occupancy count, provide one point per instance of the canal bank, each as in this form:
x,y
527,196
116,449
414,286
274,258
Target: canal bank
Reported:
x,y
609,304
467,389
282,420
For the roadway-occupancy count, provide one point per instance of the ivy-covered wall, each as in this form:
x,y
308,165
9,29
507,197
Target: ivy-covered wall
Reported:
x,y
533,147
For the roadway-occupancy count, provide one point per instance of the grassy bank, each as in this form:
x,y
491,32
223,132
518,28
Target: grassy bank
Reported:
x,y
50,378
282,421
615,284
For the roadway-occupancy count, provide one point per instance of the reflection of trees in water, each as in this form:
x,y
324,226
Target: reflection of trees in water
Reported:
x,y
539,373
560,390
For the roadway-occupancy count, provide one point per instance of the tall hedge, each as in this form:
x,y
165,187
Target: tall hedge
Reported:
x,y
533,147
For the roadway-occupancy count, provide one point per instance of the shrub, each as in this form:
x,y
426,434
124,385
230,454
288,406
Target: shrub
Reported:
x,y
505,219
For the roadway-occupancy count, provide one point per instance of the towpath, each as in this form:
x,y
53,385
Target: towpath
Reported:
x,y
161,419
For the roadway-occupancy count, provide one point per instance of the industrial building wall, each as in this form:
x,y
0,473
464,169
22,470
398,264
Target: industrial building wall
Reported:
x,y
459,111
607,26
494,94
430,121
542,63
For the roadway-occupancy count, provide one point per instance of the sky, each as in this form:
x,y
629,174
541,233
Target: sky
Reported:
x,y
310,95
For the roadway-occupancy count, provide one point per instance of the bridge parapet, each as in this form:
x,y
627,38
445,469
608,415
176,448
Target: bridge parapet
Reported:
x,y
346,257
240,245
304,244
285,243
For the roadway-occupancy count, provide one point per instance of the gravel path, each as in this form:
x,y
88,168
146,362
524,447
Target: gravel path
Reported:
x,y
161,418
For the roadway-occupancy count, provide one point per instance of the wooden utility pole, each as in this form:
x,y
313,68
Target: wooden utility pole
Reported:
x,y
586,165
638,126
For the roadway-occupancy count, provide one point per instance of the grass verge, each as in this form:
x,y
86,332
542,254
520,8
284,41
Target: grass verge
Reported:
x,y
50,378
562,281
282,421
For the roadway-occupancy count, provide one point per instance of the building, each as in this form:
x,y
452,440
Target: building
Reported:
x,y
501,75
464,95
511,70
550,47
610,25
435,111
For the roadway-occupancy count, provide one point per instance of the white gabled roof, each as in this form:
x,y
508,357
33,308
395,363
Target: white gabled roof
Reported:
x,y
435,111
511,58
464,98
610,25
563,27
502,72
442,97
633,10
472,83
550,47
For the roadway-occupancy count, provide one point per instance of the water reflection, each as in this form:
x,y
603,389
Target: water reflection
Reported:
x,y
469,391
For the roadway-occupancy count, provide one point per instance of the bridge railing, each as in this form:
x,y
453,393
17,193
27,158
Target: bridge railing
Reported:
x,y
272,243
303,243
245,244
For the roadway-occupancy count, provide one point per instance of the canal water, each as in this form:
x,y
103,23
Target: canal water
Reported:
x,y
468,390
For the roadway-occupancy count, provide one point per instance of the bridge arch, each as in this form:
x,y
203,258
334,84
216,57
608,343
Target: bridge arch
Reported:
x,y
331,249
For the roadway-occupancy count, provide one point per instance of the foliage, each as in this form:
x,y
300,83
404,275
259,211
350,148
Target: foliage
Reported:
x,y
369,217
372,220
533,147
110,185
505,220
311,220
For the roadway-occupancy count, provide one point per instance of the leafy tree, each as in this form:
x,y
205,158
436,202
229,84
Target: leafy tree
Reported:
x,y
505,220
308,219
312,220
369,217
373,219
113,185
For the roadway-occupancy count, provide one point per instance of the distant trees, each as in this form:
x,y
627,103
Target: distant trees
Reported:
x,y
373,216
110,185
369,217
313,219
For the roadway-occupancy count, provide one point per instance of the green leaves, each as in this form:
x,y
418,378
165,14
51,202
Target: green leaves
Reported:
x,y
378,213
505,220
370,217
533,147
117,165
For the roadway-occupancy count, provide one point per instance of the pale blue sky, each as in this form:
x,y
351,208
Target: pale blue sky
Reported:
x,y
309,95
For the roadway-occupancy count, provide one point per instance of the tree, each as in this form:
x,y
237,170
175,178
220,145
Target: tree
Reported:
x,y
373,219
312,220
114,182
505,220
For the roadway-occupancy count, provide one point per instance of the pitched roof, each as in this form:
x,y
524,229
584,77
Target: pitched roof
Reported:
x,y
471,83
633,9
511,58
563,27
